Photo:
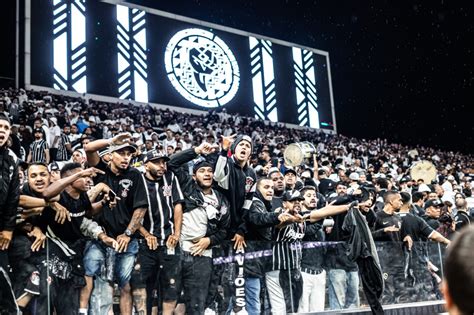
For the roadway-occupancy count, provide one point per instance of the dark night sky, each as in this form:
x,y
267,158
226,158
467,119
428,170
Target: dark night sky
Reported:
x,y
401,71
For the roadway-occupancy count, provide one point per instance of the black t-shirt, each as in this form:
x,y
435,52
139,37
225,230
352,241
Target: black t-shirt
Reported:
x,y
129,186
383,220
415,226
431,221
462,219
277,202
69,231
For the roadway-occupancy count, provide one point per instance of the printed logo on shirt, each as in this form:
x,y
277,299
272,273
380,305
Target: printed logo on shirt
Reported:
x,y
126,185
167,190
35,279
223,209
293,235
77,215
248,184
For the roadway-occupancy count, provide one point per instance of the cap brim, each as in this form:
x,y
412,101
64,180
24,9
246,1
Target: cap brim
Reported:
x,y
123,147
158,158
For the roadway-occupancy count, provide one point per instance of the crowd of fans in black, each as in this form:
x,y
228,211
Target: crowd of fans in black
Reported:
x,y
156,202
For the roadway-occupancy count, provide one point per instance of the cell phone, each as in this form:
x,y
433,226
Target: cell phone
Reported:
x,y
274,162
112,196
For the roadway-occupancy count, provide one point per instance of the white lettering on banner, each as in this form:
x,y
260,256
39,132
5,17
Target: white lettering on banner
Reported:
x,y
239,279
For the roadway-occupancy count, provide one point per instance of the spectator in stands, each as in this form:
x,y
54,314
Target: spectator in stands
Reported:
x,y
462,218
206,219
458,285
64,148
290,179
417,205
159,254
9,197
39,149
70,236
121,223
260,219
237,181
312,262
278,187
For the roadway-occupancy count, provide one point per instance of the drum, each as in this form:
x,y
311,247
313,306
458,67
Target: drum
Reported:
x,y
295,153
424,170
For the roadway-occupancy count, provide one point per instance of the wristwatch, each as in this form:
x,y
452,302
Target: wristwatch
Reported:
x,y
128,232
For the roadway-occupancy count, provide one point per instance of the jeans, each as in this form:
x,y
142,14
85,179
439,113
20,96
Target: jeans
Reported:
x,y
196,276
343,289
94,257
314,292
102,297
252,296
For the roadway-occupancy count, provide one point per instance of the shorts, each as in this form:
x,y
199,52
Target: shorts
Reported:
x,y
94,259
152,265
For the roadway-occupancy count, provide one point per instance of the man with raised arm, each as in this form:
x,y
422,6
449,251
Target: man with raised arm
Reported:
x,y
237,182
205,222
123,221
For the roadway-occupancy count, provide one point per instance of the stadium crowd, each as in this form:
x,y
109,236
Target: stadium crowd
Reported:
x,y
152,201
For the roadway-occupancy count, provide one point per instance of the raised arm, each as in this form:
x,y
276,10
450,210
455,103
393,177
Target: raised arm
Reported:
x,y
328,211
58,186
92,147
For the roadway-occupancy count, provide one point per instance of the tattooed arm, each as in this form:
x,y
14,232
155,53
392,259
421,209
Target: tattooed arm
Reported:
x,y
137,219
94,192
135,223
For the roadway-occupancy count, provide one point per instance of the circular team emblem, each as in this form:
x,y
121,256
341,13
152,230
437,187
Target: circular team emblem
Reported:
x,y
202,68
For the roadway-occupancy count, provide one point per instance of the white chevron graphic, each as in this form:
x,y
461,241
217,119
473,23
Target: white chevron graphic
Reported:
x,y
131,54
305,81
69,45
263,79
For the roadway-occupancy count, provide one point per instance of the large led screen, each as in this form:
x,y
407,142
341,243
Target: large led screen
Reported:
x,y
130,52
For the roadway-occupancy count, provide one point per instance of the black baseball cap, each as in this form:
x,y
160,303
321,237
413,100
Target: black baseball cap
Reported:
x,y
155,155
39,130
290,170
54,167
433,203
292,195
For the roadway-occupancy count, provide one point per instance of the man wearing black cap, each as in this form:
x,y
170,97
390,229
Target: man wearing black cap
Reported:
x,y
123,221
284,282
326,186
433,212
39,149
206,219
237,182
9,197
290,178
159,255
416,258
